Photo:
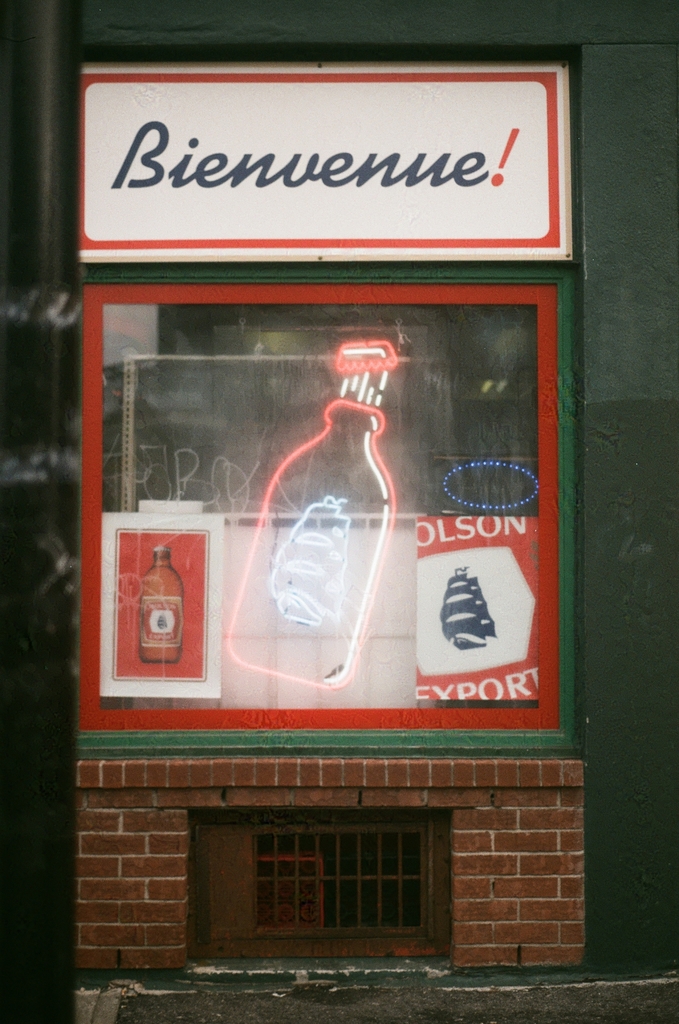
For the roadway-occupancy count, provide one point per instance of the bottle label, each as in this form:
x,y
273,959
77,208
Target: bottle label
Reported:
x,y
161,621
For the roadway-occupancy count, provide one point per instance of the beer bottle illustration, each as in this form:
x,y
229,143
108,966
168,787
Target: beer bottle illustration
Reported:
x,y
304,604
161,612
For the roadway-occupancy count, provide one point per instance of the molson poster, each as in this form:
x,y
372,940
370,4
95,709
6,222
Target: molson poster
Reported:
x,y
477,590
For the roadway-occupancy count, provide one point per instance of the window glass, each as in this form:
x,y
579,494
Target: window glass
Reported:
x,y
319,506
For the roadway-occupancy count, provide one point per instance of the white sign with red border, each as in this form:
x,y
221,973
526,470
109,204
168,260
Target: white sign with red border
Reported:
x,y
326,162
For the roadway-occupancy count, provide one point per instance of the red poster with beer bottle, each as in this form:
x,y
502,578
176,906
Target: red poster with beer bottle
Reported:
x,y
160,629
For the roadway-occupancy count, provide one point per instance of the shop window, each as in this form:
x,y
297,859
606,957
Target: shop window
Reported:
x,y
273,884
331,506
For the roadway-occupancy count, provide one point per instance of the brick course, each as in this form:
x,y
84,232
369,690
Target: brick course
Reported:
x,y
516,854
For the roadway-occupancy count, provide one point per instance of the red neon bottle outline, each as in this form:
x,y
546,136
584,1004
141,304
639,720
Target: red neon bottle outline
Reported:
x,y
337,403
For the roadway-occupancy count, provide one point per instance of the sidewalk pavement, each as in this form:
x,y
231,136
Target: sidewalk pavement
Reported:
x,y
419,991
97,1006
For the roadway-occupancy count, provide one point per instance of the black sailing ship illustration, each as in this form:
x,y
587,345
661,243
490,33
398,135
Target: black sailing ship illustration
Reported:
x,y
465,618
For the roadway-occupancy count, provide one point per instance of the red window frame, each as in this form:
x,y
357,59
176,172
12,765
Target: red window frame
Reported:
x,y
546,716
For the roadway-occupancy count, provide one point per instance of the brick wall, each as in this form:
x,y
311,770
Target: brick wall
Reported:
x,y
517,846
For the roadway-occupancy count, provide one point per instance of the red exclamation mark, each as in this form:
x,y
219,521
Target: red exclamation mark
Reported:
x,y
497,179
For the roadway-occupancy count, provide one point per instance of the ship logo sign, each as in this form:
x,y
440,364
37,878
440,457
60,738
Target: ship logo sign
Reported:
x,y
465,618
474,611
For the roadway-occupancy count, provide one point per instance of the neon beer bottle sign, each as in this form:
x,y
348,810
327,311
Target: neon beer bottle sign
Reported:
x,y
303,607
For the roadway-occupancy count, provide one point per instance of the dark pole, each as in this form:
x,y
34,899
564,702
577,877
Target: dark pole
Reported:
x,y
39,336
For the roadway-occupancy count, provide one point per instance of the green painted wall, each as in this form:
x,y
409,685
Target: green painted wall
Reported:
x,y
377,23
624,59
629,514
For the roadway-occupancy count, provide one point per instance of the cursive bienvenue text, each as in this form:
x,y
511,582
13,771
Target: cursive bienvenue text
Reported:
x,y
335,171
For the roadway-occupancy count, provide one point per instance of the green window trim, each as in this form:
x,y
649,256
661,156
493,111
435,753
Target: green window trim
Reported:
x,y
564,742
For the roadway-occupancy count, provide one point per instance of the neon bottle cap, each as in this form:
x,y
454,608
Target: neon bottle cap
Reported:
x,y
365,356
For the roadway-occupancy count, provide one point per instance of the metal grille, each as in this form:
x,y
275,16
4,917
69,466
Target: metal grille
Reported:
x,y
328,882
340,880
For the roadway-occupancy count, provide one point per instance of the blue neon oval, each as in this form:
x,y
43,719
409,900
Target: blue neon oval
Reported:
x,y
453,476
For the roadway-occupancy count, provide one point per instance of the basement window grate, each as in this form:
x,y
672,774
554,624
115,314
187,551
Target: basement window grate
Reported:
x,y
340,880
285,883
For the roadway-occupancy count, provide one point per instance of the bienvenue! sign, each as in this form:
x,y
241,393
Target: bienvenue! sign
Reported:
x,y
337,162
